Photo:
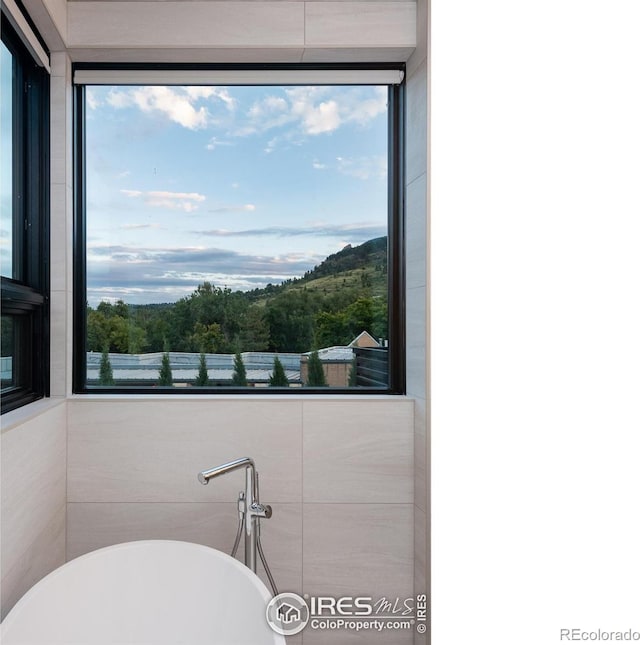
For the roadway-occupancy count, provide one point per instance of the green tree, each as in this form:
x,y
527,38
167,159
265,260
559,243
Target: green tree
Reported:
x,y
208,338
239,377
111,325
341,326
165,377
203,375
254,330
290,316
97,331
315,373
154,321
106,373
332,329
278,378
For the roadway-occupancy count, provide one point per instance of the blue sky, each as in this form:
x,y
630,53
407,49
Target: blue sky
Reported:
x,y
240,186
6,144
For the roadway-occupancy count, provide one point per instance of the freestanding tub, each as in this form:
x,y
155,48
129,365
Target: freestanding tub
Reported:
x,y
153,592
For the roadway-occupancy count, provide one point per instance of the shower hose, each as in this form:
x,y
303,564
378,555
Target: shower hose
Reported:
x,y
260,552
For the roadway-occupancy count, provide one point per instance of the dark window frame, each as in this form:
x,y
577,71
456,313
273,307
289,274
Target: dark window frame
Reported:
x,y
25,296
395,245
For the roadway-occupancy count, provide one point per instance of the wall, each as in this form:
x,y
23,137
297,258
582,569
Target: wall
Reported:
x,y
418,328
337,471
61,225
223,31
34,437
33,496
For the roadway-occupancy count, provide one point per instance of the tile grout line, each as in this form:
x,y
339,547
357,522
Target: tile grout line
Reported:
x,y
66,482
302,502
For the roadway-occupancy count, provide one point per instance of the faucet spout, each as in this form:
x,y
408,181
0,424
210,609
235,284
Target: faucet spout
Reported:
x,y
223,469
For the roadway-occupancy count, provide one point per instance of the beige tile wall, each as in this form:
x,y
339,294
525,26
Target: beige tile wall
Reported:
x,y
61,224
339,474
293,31
418,327
33,498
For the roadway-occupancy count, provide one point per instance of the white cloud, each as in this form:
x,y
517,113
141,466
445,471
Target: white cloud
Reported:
x,y
198,91
270,106
363,167
217,93
135,227
323,118
92,102
177,107
119,100
187,202
362,111
270,112
231,208
165,274
316,117
356,232
373,167
181,105
271,145
164,194
312,111
214,143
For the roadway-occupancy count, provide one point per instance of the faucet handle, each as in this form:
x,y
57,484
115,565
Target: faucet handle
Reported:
x,y
261,510
241,504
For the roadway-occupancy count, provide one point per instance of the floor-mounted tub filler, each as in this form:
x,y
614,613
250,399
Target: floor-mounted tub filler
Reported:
x,y
250,512
159,592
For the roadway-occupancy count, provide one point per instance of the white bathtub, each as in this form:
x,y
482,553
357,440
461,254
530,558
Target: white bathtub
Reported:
x,y
155,592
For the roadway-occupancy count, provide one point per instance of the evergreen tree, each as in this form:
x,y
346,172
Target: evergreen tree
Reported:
x,y
278,378
315,376
239,377
165,377
203,375
106,373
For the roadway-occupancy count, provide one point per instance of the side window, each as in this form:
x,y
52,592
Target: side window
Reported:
x,y
24,175
237,238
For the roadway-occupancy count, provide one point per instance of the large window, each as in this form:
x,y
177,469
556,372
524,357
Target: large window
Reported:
x,y
24,173
238,238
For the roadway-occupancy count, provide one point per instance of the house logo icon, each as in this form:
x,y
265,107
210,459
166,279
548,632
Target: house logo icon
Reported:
x,y
287,614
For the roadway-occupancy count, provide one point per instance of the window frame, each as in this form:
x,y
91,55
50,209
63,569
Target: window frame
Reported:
x,y
25,295
395,235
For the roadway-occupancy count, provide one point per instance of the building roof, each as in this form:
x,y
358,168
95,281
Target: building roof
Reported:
x,y
338,353
185,366
188,360
364,339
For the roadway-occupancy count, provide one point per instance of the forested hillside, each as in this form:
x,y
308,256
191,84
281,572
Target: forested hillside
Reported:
x,y
343,296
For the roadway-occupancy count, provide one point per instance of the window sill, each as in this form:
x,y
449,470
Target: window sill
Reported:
x,y
21,415
93,398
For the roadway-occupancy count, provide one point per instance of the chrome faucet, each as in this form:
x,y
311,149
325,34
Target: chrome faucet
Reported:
x,y
249,506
